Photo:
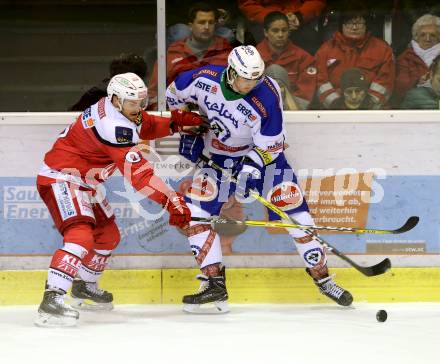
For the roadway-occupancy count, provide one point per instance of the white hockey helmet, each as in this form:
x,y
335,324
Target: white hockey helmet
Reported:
x,y
128,86
246,62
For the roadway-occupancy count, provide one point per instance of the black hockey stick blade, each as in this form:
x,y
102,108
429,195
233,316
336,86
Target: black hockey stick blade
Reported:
x,y
375,270
370,271
410,224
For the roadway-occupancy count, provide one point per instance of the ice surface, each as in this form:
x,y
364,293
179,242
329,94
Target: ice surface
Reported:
x,y
249,334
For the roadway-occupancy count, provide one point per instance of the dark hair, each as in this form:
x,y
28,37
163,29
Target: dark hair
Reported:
x,y
205,7
128,62
274,16
353,9
435,65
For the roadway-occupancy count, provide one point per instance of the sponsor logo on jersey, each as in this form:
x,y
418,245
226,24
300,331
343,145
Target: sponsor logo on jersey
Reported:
x,y
226,148
246,112
98,262
205,72
214,89
286,196
313,256
123,135
221,110
271,86
203,188
89,123
69,264
203,86
264,155
259,105
86,118
275,146
133,157
101,108
64,200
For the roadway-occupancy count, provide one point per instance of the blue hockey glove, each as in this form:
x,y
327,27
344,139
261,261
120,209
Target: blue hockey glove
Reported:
x,y
191,147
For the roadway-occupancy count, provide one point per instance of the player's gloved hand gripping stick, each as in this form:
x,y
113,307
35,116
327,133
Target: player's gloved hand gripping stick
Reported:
x,y
369,271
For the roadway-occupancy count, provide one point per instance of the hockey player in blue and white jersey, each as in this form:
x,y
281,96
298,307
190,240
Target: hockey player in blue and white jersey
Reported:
x,y
246,135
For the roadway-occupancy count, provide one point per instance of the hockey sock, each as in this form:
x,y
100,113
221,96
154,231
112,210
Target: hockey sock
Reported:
x,y
212,270
309,249
64,266
93,265
205,244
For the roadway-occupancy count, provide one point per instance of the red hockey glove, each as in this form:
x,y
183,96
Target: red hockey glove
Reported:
x,y
180,215
180,118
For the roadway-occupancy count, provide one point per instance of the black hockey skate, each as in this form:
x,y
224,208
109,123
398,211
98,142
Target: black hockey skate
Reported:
x,y
212,290
330,289
87,296
53,312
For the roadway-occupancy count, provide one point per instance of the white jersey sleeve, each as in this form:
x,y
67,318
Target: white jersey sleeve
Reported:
x,y
110,126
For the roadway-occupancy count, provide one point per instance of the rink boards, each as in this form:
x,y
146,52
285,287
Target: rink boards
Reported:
x,y
372,168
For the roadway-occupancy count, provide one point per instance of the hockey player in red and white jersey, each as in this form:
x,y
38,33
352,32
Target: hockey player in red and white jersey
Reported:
x,y
103,138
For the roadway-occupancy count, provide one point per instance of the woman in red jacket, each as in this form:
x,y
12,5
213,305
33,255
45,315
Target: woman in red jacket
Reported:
x,y
354,46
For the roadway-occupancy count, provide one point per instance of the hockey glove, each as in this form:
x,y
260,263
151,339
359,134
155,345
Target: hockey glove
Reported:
x,y
247,170
180,118
180,215
191,146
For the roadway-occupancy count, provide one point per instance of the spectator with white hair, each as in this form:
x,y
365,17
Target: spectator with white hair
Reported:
x,y
414,63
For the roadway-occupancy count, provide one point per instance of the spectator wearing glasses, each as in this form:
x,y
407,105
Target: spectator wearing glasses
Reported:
x,y
354,46
414,63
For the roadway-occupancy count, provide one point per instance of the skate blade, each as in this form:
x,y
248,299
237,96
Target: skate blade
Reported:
x,y
88,305
217,307
48,320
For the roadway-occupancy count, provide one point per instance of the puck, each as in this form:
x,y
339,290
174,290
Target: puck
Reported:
x,y
381,316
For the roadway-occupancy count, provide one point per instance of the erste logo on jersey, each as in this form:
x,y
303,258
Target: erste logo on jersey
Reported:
x,y
286,196
87,120
205,87
246,112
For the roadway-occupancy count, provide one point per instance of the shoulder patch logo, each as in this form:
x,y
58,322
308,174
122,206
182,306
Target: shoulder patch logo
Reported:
x,y
123,135
133,157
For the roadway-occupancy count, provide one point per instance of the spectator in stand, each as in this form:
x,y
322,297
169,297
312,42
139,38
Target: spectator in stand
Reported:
x,y
302,16
277,48
179,30
354,46
126,62
413,64
426,95
354,88
280,75
201,48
